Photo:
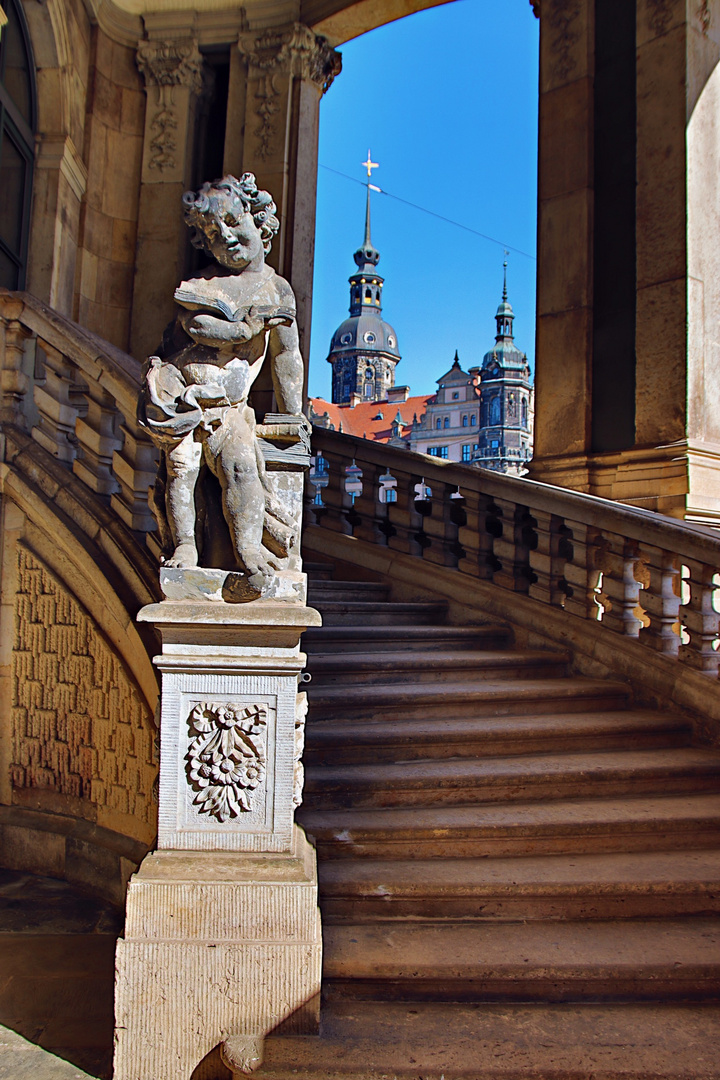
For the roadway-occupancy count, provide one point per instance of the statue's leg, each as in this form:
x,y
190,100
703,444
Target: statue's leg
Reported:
x,y
243,493
183,466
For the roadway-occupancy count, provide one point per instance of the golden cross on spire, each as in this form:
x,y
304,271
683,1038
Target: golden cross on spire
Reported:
x,y
370,165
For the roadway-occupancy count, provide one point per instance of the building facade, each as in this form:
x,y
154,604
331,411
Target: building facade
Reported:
x,y
505,437
449,428
364,350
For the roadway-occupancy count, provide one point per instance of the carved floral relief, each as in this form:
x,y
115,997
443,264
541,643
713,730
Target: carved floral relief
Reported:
x,y
226,759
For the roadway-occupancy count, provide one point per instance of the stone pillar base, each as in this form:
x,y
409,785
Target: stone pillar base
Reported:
x,y
217,944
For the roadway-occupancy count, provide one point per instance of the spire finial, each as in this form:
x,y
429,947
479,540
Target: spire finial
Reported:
x,y
367,241
504,295
370,165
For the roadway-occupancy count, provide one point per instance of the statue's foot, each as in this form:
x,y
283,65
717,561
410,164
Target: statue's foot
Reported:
x,y
185,555
260,569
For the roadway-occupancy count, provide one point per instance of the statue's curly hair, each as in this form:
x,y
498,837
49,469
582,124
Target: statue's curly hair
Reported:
x,y
246,197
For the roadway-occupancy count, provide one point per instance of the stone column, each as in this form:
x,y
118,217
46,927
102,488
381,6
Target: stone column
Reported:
x,y
277,79
172,69
222,934
565,222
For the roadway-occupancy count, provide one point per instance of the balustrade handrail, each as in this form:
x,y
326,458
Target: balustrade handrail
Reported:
x,y
114,370
639,573
684,538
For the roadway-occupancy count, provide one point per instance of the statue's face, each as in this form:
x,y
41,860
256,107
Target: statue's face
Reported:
x,y
234,241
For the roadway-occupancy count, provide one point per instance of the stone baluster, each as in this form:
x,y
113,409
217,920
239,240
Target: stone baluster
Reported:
x,y
512,548
617,559
701,619
548,558
15,382
661,599
579,580
134,467
60,400
440,528
471,532
401,514
421,508
98,438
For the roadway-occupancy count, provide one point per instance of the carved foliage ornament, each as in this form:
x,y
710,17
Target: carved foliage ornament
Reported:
x,y
226,757
295,50
171,63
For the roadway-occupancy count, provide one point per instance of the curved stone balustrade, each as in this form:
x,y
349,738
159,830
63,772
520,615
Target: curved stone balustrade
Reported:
x,y
640,574
83,403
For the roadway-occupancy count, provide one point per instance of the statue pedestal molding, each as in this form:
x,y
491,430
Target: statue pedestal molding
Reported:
x,y
222,935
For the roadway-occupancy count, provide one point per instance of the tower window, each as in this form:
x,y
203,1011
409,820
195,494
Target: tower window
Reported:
x,y
368,294
369,338
473,420
391,341
346,339
456,395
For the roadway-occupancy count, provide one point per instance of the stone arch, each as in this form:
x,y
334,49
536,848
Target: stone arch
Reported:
x,y
78,759
340,21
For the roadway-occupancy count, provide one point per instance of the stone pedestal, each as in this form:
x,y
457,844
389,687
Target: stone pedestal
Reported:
x,y
222,937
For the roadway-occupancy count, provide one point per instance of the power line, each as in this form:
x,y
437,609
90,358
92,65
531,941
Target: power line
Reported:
x,y
424,210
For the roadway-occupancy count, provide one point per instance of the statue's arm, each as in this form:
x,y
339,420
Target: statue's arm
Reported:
x,y
209,329
286,366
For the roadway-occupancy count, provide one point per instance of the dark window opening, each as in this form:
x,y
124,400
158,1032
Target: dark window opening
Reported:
x,y
17,145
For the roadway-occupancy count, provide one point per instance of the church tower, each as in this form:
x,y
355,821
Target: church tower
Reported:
x,y
505,434
363,349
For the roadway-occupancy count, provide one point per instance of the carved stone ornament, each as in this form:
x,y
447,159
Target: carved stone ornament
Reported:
x,y
174,62
301,710
294,50
226,757
561,17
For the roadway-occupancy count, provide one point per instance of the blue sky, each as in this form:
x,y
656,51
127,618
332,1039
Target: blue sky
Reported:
x,y
447,101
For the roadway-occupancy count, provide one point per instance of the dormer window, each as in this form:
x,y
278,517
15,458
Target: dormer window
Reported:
x,y
369,338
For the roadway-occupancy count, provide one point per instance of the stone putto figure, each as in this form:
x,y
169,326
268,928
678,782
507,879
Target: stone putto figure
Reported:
x,y
238,316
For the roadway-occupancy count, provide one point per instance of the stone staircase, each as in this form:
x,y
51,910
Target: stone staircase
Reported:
x,y
519,870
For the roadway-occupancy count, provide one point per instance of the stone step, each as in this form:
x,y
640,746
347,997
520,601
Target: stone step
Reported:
x,y
318,571
406,666
531,776
659,822
320,592
389,701
373,638
328,742
611,960
367,1040
360,612
601,885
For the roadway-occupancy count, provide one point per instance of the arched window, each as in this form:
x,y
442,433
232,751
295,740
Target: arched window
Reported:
x,y
465,420
524,408
17,145
446,422
495,410
472,420
438,424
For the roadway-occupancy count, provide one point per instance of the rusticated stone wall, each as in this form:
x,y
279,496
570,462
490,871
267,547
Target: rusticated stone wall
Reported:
x,y
80,725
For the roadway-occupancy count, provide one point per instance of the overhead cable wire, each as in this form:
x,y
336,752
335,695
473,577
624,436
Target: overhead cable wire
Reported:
x,y
424,210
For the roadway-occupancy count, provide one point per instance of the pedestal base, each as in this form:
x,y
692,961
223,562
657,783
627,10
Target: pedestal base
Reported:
x,y
217,944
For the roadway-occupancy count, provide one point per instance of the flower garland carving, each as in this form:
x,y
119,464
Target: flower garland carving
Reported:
x,y
226,757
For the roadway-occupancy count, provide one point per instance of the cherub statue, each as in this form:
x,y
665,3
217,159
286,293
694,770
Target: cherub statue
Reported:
x,y
238,316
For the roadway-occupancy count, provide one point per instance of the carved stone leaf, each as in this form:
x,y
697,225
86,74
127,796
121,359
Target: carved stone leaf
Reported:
x,y
226,758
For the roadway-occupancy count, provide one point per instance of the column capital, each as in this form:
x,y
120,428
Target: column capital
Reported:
x,y
171,62
297,50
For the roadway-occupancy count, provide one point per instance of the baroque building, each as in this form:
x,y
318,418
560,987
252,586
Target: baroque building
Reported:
x,y
364,350
506,400
449,427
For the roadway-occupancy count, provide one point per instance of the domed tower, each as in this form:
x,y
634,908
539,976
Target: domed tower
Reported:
x,y
505,435
363,349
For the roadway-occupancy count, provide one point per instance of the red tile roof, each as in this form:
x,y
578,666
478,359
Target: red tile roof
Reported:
x,y
372,419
